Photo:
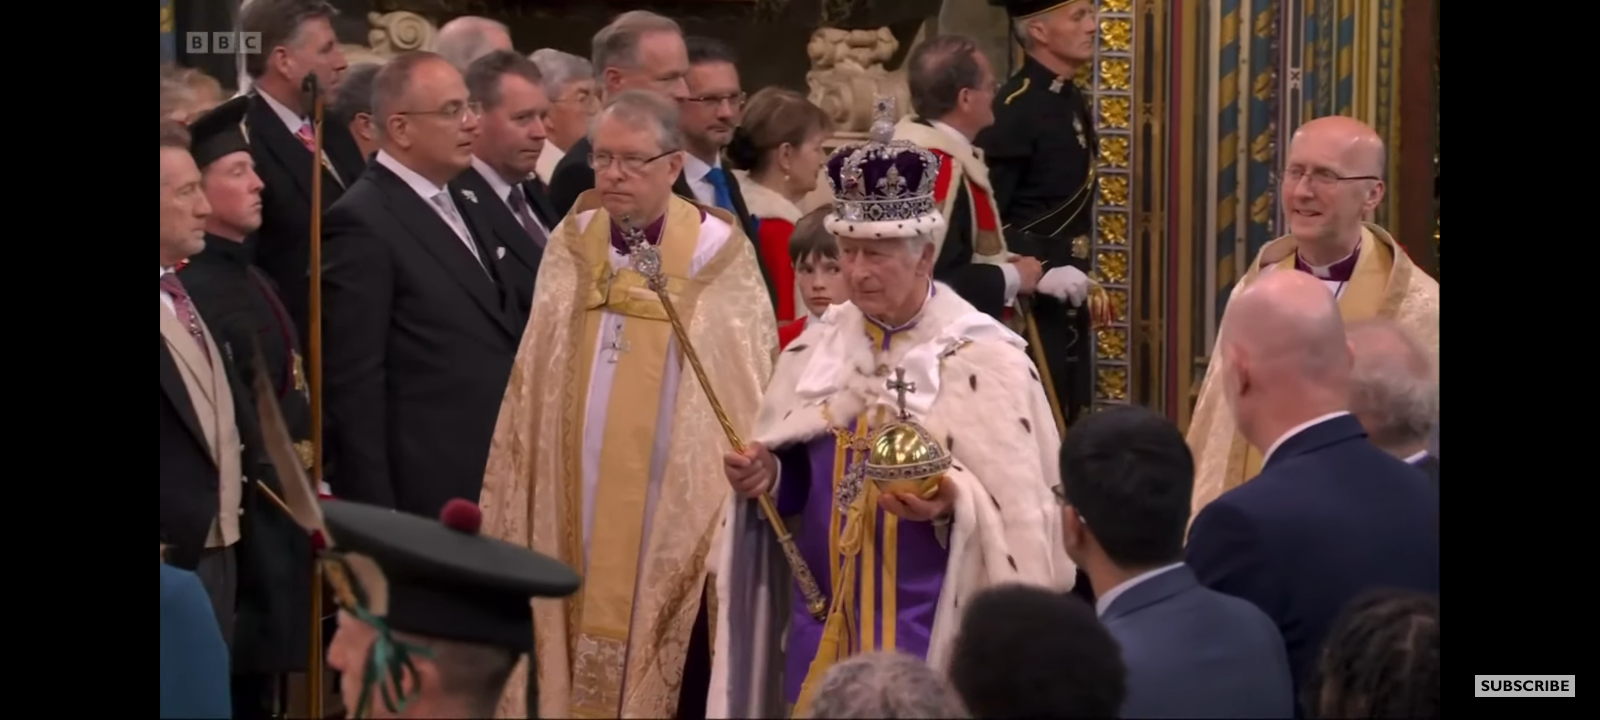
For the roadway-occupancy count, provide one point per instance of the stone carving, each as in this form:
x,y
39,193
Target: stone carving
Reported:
x,y
391,34
847,73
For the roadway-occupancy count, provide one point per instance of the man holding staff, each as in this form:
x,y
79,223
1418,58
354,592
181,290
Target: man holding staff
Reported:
x,y
608,453
907,381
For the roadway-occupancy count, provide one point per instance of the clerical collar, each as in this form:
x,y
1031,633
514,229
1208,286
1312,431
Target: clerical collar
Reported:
x,y
652,234
1340,271
884,328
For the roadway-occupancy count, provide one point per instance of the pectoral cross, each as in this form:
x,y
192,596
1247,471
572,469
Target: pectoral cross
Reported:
x,y
899,386
616,346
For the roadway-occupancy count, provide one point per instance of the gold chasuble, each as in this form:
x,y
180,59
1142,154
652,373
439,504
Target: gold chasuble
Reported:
x,y
1385,284
608,455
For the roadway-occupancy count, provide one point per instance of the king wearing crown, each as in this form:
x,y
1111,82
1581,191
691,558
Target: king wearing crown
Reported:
x,y
908,441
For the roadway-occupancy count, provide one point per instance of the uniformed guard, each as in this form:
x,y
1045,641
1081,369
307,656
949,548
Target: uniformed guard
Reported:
x,y
1041,153
433,616
238,301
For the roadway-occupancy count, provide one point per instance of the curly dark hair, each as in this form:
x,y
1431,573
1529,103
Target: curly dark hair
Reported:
x,y
1381,660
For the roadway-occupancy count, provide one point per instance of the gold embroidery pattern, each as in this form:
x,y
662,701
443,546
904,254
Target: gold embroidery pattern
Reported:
x,y
1080,247
597,676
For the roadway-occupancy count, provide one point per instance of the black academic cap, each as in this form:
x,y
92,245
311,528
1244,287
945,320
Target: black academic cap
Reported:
x,y
1023,9
219,133
440,578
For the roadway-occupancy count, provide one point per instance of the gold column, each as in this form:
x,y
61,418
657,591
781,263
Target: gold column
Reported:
x,y
1112,88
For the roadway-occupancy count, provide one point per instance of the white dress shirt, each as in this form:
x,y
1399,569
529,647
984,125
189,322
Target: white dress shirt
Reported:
x,y
1104,601
294,122
503,190
1417,457
1296,430
548,158
694,170
1012,276
427,190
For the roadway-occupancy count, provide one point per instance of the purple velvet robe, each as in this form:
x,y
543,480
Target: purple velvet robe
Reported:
x,y
807,490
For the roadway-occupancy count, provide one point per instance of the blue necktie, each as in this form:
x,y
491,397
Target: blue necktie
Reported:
x,y
719,183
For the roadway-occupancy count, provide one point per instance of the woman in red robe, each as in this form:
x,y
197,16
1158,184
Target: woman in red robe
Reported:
x,y
777,158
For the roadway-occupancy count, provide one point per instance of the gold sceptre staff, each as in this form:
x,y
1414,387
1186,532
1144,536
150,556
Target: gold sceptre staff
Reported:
x,y
647,262
313,90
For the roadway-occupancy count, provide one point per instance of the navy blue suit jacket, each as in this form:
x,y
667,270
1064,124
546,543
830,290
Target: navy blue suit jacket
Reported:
x,y
1329,517
194,660
1192,652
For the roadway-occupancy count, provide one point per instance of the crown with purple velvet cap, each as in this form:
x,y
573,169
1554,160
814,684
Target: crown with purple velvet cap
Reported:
x,y
883,188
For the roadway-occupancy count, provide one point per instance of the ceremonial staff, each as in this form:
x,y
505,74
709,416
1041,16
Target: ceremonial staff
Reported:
x,y
646,260
313,90
1099,303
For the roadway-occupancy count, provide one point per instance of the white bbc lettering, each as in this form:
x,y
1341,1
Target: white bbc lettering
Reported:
x,y
1524,686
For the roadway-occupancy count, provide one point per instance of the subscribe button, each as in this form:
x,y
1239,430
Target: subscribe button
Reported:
x,y
1523,686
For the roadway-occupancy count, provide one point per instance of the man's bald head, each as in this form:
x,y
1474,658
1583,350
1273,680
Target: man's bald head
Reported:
x,y
468,38
1287,326
1332,181
1392,387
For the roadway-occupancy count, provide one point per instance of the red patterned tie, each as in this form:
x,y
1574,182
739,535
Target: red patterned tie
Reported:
x,y
184,310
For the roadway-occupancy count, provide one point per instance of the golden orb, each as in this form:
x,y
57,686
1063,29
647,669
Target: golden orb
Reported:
x,y
906,459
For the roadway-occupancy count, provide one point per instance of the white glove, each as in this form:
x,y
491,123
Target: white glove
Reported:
x,y
1065,283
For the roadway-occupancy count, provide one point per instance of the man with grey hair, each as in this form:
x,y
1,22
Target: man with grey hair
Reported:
x,y
885,685
352,106
907,351
645,437
470,37
297,40
569,81
639,50
1393,393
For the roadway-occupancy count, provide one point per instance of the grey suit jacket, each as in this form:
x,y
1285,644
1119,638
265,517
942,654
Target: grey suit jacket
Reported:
x,y
1192,652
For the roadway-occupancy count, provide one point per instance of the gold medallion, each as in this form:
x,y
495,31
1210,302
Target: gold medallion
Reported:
x,y
303,449
1080,247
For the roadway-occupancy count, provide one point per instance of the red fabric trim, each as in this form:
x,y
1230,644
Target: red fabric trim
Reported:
x,y
773,238
983,208
941,186
787,332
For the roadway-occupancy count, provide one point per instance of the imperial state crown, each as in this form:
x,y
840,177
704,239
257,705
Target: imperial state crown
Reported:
x,y
883,188
904,456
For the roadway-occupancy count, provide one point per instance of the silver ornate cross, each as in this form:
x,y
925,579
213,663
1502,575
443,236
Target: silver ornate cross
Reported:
x,y
900,386
643,256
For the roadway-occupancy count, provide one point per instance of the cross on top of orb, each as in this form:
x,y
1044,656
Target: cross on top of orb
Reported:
x,y
900,386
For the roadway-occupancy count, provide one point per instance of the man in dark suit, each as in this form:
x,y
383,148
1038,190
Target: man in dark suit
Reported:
x,y
252,560
297,39
1330,516
1126,478
1393,392
510,137
420,325
639,50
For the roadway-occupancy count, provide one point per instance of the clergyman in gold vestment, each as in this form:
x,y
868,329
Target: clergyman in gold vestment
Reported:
x,y
607,453
1331,180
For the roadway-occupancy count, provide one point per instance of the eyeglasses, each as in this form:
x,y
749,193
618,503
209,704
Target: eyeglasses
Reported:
x,y
631,164
583,98
460,112
734,101
1320,178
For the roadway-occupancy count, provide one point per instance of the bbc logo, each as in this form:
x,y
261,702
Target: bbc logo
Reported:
x,y
222,43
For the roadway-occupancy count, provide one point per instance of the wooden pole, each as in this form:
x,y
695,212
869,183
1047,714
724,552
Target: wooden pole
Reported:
x,y
314,670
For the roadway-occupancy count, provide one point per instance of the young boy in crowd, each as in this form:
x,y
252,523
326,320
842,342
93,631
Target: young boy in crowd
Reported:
x,y
818,278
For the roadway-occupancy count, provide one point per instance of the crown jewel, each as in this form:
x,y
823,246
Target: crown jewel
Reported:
x,y
883,188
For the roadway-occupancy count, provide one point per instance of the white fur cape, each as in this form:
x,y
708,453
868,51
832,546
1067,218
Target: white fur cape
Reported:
x,y
977,392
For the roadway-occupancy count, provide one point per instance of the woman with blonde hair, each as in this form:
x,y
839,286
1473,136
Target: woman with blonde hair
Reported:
x,y
777,157
187,93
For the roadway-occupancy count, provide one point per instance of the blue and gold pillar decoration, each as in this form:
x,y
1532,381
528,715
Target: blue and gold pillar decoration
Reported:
x,y
1226,194
169,41
1110,88
1261,159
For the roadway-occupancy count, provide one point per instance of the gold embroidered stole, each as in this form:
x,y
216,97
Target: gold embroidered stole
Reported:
x,y
602,613
1361,299
853,554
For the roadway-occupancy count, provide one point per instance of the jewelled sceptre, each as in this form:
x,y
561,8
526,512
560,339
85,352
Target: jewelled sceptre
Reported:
x,y
646,260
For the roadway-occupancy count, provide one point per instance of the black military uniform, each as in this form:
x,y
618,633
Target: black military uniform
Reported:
x,y
241,306
1041,153
238,301
435,579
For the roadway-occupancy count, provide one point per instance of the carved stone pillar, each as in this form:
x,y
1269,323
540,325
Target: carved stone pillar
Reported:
x,y
847,74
